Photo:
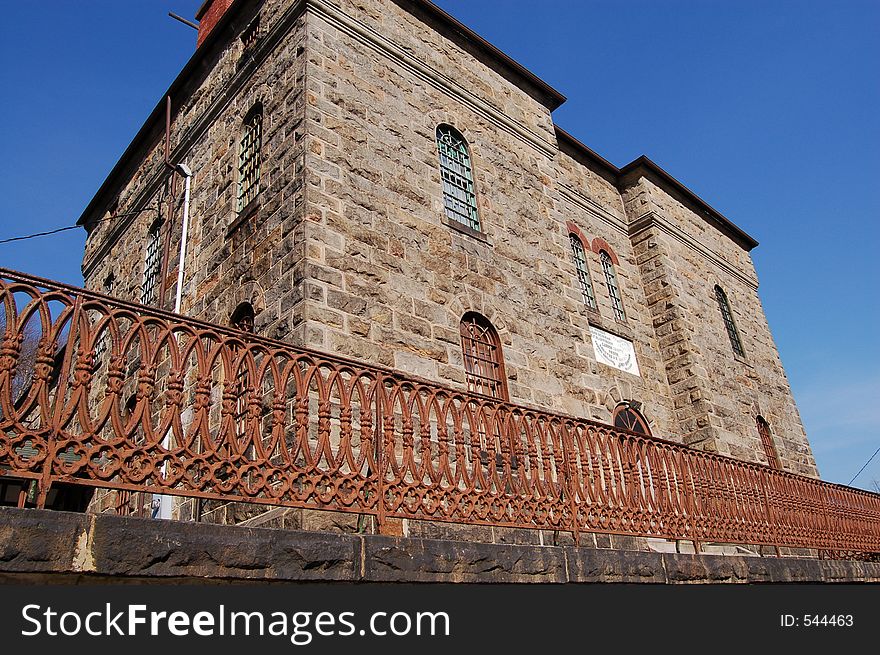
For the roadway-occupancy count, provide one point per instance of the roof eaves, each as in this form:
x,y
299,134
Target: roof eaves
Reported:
x,y
577,149
645,164
473,43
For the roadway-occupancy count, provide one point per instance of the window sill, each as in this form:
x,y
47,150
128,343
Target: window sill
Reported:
x,y
250,210
617,328
464,229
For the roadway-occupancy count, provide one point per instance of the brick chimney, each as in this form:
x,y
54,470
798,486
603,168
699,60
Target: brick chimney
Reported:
x,y
208,15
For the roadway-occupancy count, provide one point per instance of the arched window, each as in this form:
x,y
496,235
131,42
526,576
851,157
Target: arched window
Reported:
x,y
483,361
249,157
627,417
767,442
243,317
459,198
583,273
727,315
611,281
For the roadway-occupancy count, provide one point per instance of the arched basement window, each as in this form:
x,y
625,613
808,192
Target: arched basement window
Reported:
x,y
629,418
583,273
243,317
483,361
727,315
459,197
613,289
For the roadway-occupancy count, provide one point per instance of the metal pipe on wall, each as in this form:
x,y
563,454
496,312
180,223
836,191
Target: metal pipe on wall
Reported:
x,y
166,503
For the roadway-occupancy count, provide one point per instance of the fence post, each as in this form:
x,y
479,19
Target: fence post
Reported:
x,y
771,525
826,516
568,486
381,440
691,491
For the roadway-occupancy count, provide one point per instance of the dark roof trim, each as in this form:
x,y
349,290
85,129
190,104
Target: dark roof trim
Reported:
x,y
643,165
623,177
584,154
474,44
145,137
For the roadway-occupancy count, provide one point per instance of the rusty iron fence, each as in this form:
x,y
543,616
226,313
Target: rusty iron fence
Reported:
x,y
99,392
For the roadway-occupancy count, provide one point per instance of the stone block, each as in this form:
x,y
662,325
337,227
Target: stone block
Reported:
x,y
388,559
600,565
126,547
704,568
39,540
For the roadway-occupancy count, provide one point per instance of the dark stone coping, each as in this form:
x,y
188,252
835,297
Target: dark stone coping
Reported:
x,y
60,547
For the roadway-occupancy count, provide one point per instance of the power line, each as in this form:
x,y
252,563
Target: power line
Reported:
x,y
39,234
864,467
73,227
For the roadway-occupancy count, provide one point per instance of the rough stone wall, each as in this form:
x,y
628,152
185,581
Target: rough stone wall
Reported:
x,y
390,281
717,394
594,206
348,252
230,258
255,257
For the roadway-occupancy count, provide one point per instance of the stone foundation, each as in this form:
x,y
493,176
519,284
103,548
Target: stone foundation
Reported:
x,y
59,547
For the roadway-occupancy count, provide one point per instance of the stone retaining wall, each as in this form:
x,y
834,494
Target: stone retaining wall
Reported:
x,y
59,547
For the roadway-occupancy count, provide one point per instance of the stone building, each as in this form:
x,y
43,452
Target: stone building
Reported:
x,y
371,178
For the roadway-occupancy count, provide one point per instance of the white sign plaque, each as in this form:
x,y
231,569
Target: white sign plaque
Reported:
x,y
614,351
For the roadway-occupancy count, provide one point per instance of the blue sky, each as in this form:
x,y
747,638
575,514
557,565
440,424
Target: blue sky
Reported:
x,y
767,110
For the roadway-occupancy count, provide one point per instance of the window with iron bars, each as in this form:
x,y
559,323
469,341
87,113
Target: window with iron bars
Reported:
x,y
152,266
613,289
767,442
727,315
483,361
583,273
459,197
249,157
251,33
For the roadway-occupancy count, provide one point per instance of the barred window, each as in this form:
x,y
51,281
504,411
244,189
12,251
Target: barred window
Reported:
x,y
152,264
249,157
459,198
627,417
767,442
483,361
727,315
583,273
611,281
251,33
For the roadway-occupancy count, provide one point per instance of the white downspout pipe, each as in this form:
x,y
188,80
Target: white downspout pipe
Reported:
x,y
184,170
166,503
